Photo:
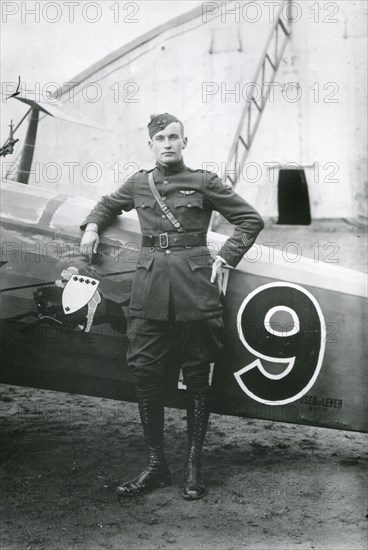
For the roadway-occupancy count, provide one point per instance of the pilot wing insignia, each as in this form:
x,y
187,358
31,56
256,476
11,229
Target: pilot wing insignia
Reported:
x,y
187,191
78,292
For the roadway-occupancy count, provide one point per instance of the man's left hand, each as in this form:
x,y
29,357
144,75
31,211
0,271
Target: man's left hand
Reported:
x,y
217,272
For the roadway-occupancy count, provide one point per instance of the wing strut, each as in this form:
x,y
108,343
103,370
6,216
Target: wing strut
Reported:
x,y
28,147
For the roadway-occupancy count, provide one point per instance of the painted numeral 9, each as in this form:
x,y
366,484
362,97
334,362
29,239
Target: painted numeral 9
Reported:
x,y
300,346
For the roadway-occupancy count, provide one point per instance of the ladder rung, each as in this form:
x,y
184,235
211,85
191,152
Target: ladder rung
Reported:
x,y
269,60
256,104
280,22
243,142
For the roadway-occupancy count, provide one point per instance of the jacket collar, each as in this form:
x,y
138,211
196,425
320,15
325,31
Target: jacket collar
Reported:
x,y
171,169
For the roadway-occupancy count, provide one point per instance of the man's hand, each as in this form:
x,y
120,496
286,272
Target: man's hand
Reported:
x,y
217,272
90,241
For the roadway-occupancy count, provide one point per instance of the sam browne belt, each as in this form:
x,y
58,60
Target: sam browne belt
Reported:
x,y
166,240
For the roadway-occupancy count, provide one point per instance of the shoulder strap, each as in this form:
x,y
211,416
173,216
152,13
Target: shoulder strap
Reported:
x,y
165,209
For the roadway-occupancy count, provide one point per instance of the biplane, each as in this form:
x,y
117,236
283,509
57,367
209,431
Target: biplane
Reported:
x,y
294,338
294,331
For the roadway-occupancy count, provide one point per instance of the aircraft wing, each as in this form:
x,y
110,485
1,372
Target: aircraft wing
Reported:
x,y
294,339
58,111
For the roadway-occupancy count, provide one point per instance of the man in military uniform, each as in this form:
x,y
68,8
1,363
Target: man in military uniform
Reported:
x,y
176,289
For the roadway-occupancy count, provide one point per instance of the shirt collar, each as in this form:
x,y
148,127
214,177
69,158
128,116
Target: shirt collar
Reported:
x,y
171,169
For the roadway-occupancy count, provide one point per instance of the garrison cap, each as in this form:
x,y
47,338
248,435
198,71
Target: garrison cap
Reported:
x,y
159,122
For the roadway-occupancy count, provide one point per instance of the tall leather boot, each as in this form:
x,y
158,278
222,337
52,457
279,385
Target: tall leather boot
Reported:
x,y
156,474
197,421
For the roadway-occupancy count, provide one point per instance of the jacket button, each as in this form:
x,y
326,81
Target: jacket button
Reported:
x,y
143,205
166,181
163,216
167,251
164,198
189,205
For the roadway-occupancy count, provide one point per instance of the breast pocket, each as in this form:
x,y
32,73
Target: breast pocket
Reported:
x,y
146,212
188,202
189,211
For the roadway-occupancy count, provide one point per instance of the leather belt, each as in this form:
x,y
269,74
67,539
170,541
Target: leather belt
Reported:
x,y
167,240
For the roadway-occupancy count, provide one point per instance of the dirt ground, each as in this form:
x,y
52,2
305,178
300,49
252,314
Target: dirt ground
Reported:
x,y
271,485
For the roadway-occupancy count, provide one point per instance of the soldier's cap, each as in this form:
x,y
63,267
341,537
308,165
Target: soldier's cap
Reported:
x,y
159,122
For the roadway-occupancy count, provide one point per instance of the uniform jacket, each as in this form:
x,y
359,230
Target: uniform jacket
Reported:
x,y
179,276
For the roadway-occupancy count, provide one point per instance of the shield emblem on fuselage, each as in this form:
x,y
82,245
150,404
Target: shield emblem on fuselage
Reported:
x,y
78,292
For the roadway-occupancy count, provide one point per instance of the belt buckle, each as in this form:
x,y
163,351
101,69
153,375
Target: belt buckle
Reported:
x,y
164,240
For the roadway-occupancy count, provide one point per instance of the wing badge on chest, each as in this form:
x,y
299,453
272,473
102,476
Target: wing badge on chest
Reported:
x,y
187,192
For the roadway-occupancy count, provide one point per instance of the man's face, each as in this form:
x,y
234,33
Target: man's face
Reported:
x,y
168,144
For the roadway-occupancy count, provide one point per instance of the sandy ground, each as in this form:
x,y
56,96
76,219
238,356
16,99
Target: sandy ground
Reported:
x,y
271,485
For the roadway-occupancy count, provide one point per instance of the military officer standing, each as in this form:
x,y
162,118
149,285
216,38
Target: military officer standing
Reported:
x,y
176,289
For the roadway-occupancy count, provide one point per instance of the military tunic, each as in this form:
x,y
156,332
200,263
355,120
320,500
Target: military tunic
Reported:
x,y
179,276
